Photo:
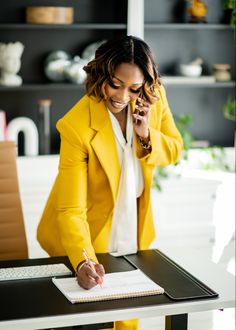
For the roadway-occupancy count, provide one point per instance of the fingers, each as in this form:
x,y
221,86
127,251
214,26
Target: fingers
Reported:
x,y
142,109
142,106
141,117
87,277
100,269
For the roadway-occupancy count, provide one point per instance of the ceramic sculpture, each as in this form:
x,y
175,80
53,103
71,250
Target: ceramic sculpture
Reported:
x,y
10,63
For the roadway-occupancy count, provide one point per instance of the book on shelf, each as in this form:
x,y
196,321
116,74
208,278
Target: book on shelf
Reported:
x,y
117,285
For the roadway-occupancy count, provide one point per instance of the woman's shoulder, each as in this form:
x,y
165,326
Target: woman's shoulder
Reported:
x,y
77,123
161,92
76,120
82,106
79,114
161,98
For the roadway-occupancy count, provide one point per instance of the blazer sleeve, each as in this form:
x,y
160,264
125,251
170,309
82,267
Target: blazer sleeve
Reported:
x,y
72,195
166,141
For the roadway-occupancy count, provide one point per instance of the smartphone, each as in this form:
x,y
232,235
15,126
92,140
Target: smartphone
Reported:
x,y
139,111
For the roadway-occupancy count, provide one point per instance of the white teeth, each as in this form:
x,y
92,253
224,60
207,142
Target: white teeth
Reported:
x,y
118,104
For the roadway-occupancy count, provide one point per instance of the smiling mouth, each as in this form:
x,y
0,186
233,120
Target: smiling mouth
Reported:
x,y
117,104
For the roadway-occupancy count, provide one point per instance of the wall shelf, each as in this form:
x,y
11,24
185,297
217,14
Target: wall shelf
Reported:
x,y
170,81
93,21
43,87
171,38
203,81
81,26
202,85
188,26
174,41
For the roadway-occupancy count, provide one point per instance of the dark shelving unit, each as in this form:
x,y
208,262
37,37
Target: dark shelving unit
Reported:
x,y
91,24
174,41
166,29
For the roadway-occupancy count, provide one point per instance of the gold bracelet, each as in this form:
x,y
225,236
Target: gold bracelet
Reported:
x,y
144,145
81,266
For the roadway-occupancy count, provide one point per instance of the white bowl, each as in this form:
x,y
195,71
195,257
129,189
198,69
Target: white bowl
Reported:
x,y
190,70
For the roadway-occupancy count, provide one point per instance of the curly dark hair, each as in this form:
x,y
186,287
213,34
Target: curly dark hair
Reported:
x,y
110,54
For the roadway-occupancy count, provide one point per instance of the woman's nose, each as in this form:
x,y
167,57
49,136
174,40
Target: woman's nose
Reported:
x,y
124,95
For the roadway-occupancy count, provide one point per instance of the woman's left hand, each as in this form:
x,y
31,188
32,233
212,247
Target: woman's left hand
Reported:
x,y
141,117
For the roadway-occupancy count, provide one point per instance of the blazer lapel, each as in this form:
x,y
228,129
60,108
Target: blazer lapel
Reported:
x,y
104,144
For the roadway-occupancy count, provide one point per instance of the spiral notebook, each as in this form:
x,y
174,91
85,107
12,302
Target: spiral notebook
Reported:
x,y
118,285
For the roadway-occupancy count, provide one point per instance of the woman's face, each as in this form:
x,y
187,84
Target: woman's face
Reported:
x,y
124,87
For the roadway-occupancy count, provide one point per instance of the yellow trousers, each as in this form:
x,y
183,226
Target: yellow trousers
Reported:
x,y
125,325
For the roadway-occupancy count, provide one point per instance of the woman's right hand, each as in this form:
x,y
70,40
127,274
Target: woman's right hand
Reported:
x,y
87,277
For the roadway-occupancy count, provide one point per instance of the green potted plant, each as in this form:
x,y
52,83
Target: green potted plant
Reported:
x,y
182,122
229,111
229,9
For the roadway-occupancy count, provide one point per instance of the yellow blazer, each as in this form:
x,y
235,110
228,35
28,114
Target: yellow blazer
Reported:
x,y
79,209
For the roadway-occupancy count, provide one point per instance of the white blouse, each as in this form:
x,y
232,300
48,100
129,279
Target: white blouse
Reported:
x,y
123,235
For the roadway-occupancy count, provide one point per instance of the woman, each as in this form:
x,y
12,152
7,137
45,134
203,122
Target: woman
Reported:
x,y
111,142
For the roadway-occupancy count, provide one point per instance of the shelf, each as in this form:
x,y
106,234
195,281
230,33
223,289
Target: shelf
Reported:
x,y
203,81
201,85
204,85
171,41
167,81
188,26
81,26
115,26
37,87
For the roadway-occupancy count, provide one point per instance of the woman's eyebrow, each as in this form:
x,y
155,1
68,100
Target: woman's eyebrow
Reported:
x,y
139,83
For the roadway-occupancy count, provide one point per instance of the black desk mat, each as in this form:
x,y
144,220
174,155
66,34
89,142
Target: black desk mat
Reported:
x,y
40,298
178,283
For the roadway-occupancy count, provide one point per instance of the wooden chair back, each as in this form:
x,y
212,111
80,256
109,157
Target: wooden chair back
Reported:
x,y
13,242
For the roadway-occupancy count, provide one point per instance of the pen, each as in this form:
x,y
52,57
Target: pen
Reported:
x,y
91,265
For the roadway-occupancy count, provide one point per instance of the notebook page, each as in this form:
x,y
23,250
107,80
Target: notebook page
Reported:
x,y
115,286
